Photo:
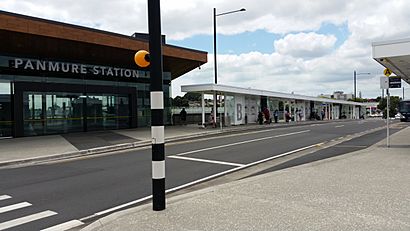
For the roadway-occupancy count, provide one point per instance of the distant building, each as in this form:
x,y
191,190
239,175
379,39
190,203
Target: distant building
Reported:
x,y
338,95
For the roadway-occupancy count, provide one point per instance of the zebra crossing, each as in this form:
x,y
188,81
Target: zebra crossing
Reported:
x,y
16,222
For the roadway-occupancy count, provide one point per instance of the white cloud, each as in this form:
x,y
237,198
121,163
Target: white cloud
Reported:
x,y
305,45
303,62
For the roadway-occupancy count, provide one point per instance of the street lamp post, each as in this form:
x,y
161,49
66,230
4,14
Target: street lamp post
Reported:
x,y
215,63
354,80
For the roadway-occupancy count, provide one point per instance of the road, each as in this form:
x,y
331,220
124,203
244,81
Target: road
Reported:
x,y
72,191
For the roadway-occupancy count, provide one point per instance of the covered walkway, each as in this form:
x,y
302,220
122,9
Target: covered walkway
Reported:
x,y
242,105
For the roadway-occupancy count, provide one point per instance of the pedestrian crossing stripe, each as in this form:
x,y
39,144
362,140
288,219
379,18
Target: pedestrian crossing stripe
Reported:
x,y
26,219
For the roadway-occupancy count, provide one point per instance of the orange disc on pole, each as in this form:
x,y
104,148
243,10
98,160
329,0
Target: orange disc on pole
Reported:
x,y
141,58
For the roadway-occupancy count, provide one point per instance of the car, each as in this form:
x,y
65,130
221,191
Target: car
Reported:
x,y
398,116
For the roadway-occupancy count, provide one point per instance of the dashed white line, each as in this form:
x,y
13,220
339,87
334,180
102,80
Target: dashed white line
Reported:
x,y
26,219
339,126
118,207
241,142
207,161
4,197
64,226
14,207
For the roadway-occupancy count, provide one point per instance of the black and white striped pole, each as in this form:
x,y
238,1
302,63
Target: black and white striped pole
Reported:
x,y
154,59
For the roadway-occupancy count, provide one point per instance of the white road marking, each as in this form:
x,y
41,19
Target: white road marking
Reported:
x,y
4,197
198,181
14,207
237,143
284,154
239,168
350,146
64,226
206,161
26,219
119,207
252,132
339,126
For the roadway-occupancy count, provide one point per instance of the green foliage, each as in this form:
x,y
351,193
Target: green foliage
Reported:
x,y
359,100
394,105
180,102
192,96
184,100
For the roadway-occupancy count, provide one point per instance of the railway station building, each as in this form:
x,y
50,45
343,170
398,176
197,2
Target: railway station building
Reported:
x,y
60,78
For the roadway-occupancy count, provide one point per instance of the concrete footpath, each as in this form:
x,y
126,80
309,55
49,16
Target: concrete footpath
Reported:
x,y
27,150
363,190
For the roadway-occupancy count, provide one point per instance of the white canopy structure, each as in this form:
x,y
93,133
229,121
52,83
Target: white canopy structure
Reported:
x,y
395,55
242,105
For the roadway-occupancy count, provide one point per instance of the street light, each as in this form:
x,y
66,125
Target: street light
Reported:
x,y
216,15
215,63
354,80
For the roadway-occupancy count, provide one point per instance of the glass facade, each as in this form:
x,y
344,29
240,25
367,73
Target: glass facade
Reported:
x,y
86,105
6,122
48,113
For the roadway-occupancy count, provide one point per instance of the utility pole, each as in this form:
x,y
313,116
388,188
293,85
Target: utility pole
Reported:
x,y
354,83
403,93
388,117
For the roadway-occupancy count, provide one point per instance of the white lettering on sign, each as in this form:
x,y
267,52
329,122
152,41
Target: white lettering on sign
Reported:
x,y
41,65
52,66
17,63
83,69
95,70
29,65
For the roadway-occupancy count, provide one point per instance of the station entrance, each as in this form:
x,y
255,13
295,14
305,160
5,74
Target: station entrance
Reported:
x,y
44,108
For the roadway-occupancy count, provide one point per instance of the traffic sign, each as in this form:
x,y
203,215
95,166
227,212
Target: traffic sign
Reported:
x,y
384,82
395,82
387,72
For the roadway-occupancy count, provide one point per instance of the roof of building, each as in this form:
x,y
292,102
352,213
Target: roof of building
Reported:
x,y
210,88
35,36
394,54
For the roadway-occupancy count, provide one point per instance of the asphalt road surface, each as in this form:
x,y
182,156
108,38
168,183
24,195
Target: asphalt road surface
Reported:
x,y
70,192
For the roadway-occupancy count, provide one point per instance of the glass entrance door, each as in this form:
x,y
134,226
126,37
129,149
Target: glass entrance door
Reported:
x,y
107,111
33,114
62,112
6,122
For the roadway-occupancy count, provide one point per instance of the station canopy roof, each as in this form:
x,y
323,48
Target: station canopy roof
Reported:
x,y
211,88
395,55
28,36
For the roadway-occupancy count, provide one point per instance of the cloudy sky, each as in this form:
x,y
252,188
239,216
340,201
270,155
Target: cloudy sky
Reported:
x,y
306,47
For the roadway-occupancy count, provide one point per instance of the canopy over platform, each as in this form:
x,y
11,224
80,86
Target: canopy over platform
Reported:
x,y
394,54
245,105
211,88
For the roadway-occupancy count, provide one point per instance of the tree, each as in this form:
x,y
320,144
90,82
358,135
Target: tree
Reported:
x,y
180,102
193,96
184,100
359,100
378,99
394,105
